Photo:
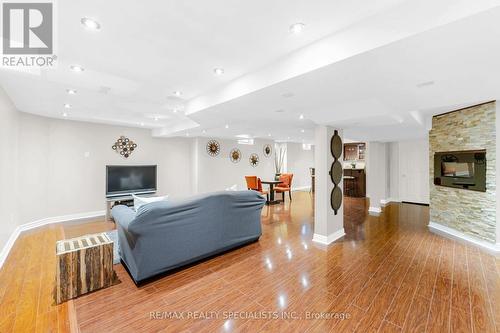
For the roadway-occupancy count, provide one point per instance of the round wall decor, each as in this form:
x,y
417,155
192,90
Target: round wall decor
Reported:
x,y
267,150
213,148
336,172
235,155
124,146
336,199
336,145
254,160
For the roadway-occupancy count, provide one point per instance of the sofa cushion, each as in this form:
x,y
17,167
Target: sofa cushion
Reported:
x,y
141,201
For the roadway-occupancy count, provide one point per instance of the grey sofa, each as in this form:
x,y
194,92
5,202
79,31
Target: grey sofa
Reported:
x,y
163,236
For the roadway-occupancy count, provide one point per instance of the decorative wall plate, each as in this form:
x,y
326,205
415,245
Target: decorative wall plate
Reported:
x,y
336,172
124,146
336,199
268,150
336,145
235,155
254,160
213,148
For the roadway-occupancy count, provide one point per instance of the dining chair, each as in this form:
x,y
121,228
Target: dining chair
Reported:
x,y
254,183
285,185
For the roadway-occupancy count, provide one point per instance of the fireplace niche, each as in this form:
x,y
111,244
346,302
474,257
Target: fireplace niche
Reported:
x,y
461,169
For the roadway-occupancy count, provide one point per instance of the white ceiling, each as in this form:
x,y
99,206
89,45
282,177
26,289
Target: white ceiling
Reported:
x,y
356,65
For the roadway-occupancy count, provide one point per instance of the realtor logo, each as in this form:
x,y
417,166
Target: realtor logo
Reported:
x,y
28,29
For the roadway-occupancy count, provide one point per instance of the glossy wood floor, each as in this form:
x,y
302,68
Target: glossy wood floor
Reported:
x,y
387,274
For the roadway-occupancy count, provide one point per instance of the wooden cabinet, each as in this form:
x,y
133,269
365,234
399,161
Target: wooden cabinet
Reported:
x,y
354,151
355,186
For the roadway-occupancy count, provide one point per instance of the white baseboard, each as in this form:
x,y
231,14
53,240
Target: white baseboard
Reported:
x,y
457,235
301,188
38,223
374,210
326,240
385,202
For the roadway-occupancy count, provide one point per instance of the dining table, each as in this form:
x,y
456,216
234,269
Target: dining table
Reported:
x,y
271,184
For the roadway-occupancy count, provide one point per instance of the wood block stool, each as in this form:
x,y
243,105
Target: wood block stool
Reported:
x,y
84,264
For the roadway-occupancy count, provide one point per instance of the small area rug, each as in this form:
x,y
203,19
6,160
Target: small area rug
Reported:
x,y
113,235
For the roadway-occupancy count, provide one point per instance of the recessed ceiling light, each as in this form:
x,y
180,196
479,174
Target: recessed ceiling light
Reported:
x,y
187,134
227,126
76,68
177,93
219,71
269,134
203,131
301,116
67,106
90,24
297,28
175,110
142,124
288,138
71,91
302,130
64,114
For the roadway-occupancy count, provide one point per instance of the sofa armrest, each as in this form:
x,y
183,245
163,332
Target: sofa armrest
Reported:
x,y
123,215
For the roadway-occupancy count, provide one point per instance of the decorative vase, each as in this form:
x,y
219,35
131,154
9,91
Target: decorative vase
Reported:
x,y
277,176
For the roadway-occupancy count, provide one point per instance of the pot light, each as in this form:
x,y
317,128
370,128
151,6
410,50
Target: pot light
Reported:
x,y
227,126
156,118
218,71
302,131
203,131
175,110
67,106
177,93
142,124
297,28
187,134
90,24
269,134
71,91
64,114
76,68
301,116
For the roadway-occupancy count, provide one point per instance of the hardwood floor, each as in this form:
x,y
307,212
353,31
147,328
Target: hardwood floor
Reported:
x,y
388,274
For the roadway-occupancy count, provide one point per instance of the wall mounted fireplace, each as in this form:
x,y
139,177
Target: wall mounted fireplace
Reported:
x,y
461,169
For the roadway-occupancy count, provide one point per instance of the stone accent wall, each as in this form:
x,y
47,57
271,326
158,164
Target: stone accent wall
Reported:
x,y
470,212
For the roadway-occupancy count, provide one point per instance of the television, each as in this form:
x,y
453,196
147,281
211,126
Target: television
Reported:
x,y
125,180
461,169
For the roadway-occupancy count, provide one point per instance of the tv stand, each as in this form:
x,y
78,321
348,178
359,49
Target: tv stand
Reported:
x,y
127,200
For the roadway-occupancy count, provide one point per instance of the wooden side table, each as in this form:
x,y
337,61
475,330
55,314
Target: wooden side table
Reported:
x,y
84,264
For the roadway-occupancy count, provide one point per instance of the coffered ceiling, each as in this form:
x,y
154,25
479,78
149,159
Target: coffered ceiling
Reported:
x,y
376,68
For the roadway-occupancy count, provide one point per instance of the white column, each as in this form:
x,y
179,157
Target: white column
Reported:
x,y
328,227
497,174
376,175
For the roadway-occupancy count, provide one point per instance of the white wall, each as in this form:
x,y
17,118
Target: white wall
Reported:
x,y
219,173
62,164
8,167
298,162
409,170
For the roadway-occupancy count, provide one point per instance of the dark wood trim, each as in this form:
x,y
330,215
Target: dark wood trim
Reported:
x,y
465,108
415,203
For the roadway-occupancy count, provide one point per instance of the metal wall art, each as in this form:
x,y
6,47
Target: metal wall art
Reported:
x,y
254,160
336,172
235,155
213,148
267,150
124,146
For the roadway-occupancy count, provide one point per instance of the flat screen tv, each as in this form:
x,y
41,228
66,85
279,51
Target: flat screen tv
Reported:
x,y
123,180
